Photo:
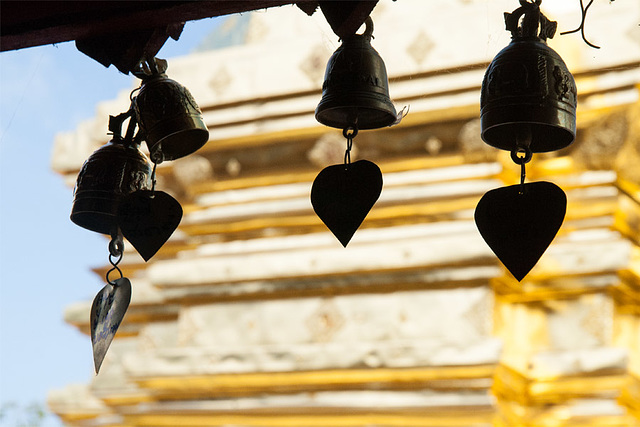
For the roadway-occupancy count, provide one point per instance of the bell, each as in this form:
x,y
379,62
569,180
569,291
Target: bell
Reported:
x,y
355,92
528,97
112,172
170,118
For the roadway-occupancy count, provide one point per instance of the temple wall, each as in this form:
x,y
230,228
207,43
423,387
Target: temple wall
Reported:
x,y
253,314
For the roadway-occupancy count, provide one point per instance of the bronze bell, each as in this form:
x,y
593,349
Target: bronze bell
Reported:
x,y
529,97
355,92
169,117
112,172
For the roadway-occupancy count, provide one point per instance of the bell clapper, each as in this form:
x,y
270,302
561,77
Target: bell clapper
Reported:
x,y
349,133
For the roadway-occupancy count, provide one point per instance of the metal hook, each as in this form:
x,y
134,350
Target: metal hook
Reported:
x,y
581,26
131,95
115,266
116,249
116,245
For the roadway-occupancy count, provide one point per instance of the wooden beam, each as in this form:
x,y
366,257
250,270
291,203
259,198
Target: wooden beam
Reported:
x,y
34,23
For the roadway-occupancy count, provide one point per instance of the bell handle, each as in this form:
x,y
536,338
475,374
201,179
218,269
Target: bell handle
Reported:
x,y
368,30
115,127
148,68
116,122
532,20
530,3
131,128
368,27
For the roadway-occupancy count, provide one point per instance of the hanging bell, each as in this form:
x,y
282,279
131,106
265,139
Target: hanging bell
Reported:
x,y
528,93
355,92
112,172
168,115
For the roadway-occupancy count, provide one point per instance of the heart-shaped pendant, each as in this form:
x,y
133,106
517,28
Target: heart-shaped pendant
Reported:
x,y
107,311
342,196
147,219
520,227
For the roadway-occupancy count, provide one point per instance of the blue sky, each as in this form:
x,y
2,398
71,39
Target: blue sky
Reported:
x,y
45,259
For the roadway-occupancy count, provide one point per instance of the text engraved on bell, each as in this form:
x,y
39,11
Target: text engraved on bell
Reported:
x,y
351,80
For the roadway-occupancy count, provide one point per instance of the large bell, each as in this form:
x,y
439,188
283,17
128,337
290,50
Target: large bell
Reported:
x,y
529,97
355,92
112,172
170,118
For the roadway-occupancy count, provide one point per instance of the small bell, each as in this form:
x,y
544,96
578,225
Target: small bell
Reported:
x,y
528,89
112,172
168,115
355,92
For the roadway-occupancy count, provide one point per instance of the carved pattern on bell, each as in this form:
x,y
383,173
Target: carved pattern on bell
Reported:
x,y
162,98
112,172
170,118
116,168
565,86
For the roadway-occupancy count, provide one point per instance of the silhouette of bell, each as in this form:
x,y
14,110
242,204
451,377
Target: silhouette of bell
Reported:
x,y
528,91
355,92
169,117
112,172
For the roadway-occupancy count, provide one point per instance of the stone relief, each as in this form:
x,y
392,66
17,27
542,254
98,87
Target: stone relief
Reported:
x,y
420,47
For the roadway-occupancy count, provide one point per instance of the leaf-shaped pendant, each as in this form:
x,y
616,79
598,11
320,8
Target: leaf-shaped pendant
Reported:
x,y
520,227
107,311
147,219
342,196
